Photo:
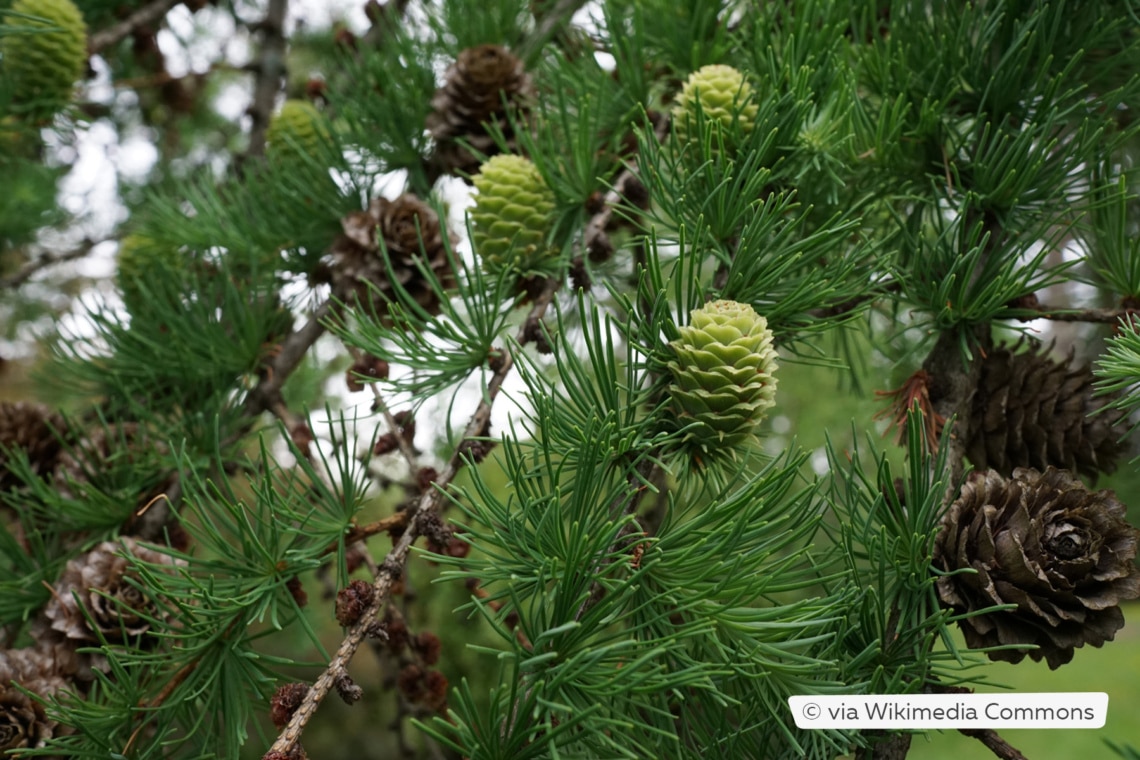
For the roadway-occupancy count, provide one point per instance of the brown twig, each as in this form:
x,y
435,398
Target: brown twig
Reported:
x,y
385,18
548,25
146,16
292,350
43,262
999,746
363,532
269,72
393,565
987,736
596,240
1106,316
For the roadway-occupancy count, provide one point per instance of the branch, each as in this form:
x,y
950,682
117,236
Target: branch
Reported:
x,y
270,69
293,349
1107,316
597,242
146,16
43,262
549,23
999,746
420,521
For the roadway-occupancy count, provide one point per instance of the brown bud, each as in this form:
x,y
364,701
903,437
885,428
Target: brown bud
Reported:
x,y
410,682
397,635
595,202
366,368
347,689
428,646
425,476
352,601
579,275
386,444
297,591
435,687
285,702
495,359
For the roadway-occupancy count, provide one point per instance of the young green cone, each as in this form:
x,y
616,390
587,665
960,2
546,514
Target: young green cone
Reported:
x,y
41,67
724,97
295,132
146,263
723,373
512,215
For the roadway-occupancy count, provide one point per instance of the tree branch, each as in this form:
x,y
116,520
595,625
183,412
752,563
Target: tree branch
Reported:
x,y
270,69
549,23
43,262
597,241
146,16
1106,316
393,565
999,746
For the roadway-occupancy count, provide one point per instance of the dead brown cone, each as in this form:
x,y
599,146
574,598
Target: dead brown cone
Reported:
x,y
109,590
402,223
23,723
1041,541
1032,411
32,428
474,92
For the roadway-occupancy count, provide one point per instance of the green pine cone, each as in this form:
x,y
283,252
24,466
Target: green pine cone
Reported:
x,y
724,96
295,133
723,373
512,215
41,68
142,261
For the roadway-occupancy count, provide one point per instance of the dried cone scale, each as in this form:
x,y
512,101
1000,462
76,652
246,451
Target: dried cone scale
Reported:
x,y
1032,411
402,224
479,88
1062,554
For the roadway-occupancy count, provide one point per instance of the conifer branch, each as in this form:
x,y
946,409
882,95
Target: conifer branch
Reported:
x,y
993,741
43,262
424,519
548,25
146,16
1103,316
293,349
596,240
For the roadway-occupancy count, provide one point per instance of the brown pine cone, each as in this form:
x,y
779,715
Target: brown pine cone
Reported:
x,y
32,428
402,224
23,723
1032,411
1062,554
473,93
101,581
